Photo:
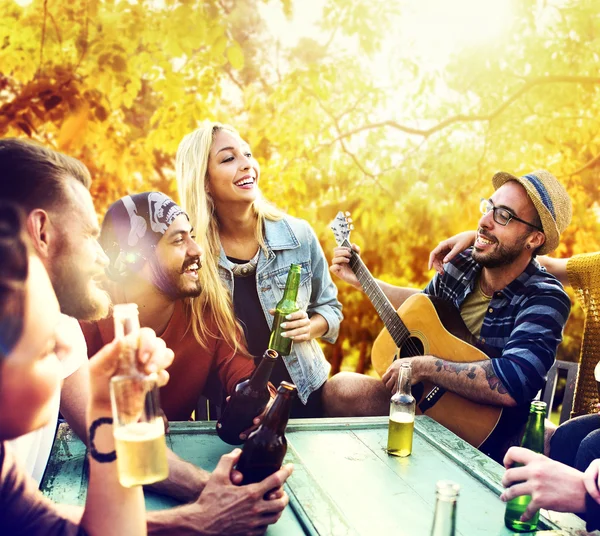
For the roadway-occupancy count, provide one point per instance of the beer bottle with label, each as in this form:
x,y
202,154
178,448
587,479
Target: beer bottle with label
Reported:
x,y
249,400
532,440
402,415
138,426
444,519
286,305
264,450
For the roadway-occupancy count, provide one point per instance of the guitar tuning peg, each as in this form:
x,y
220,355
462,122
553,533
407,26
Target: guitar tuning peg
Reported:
x,y
349,220
352,227
346,213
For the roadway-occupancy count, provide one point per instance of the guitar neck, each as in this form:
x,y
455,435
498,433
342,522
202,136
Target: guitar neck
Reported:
x,y
396,328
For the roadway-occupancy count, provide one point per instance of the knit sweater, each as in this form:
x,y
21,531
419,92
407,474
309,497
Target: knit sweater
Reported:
x,y
584,277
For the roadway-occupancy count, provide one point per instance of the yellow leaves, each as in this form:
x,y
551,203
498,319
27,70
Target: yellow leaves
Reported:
x,y
73,130
235,55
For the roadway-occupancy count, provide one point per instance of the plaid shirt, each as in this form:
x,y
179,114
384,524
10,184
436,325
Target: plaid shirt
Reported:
x,y
522,327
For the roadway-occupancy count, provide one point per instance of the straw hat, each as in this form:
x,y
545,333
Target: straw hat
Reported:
x,y
550,199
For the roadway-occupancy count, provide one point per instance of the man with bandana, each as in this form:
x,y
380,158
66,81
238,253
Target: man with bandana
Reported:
x,y
154,262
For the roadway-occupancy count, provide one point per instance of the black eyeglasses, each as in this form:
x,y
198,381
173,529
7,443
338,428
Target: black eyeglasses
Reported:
x,y
502,216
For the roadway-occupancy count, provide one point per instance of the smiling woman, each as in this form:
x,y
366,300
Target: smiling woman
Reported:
x,y
249,246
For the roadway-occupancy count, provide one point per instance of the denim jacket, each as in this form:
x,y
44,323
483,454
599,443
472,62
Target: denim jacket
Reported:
x,y
292,241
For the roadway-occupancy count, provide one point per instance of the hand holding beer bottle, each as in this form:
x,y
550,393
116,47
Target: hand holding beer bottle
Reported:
x,y
137,423
402,415
265,448
286,306
248,401
534,441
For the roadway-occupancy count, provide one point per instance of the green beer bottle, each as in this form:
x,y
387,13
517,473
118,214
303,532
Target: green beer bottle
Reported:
x,y
532,440
444,518
287,305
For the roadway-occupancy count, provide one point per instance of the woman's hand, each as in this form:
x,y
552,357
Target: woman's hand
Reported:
x,y
447,249
296,326
153,357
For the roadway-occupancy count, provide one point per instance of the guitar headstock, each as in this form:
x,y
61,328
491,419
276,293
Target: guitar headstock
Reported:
x,y
341,227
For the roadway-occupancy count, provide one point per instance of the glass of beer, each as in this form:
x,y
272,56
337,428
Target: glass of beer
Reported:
x,y
402,415
138,426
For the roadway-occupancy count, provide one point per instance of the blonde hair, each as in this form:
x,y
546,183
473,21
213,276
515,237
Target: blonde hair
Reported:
x,y
192,184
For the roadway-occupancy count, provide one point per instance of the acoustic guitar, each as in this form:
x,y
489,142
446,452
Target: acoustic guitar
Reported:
x,y
424,325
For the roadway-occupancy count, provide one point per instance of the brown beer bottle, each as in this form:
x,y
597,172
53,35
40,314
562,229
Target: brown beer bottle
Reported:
x,y
249,400
264,450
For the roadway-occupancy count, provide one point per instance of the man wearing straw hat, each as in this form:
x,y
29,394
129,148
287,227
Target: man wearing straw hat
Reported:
x,y
513,307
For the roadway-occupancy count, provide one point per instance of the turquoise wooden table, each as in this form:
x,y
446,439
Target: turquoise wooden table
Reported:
x,y
344,482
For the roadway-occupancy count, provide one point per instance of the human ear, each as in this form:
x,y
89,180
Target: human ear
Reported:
x,y
40,231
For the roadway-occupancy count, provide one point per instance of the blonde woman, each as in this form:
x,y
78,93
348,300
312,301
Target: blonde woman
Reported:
x,y
249,246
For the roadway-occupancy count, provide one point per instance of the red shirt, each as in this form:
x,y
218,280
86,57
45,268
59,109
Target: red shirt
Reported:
x,y
192,364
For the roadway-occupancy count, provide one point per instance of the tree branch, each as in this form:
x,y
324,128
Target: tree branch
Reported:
x,y
464,118
591,163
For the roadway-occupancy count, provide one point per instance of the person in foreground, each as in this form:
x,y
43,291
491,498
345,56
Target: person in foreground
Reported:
x,y
29,376
515,310
249,246
52,189
552,485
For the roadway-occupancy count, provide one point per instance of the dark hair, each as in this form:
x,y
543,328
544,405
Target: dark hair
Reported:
x,y
13,273
33,176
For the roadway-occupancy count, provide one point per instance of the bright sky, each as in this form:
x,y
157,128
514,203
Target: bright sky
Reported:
x,y
434,29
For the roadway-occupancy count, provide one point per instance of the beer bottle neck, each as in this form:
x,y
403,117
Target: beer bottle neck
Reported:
x,y
533,439
278,415
291,288
262,373
444,520
404,380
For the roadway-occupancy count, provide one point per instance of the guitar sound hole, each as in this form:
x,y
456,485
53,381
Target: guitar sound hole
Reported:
x,y
412,347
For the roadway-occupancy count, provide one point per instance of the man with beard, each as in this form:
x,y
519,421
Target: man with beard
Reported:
x,y
513,307
154,262
52,189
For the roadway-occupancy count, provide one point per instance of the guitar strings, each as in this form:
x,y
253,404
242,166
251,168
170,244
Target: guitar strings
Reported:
x,y
361,270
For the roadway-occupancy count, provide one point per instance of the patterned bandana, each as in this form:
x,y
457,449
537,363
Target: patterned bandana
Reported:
x,y
132,227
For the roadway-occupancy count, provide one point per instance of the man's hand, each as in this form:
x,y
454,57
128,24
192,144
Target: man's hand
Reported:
x,y
552,485
224,507
340,265
390,377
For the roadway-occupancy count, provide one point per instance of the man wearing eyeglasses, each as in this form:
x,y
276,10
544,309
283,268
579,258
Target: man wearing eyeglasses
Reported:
x,y
514,308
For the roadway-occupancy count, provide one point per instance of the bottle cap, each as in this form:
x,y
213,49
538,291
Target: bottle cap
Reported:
x,y
446,489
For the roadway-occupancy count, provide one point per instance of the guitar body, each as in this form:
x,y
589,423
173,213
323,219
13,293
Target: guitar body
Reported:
x,y
436,328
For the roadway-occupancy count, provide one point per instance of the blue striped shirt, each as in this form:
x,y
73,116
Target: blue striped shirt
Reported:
x,y
522,327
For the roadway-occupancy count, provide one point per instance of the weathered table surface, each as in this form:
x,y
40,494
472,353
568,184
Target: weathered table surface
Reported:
x,y
344,482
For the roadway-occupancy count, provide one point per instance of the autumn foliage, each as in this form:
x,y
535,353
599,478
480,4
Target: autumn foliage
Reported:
x,y
117,84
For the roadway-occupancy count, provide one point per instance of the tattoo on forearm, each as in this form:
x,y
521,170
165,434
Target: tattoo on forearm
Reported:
x,y
457,368
471,370
493,380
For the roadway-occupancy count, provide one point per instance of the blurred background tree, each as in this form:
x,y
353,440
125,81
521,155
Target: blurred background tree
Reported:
x,y
397,111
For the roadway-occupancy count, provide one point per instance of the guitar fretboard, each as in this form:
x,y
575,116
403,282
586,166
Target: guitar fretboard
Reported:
x,y
396,328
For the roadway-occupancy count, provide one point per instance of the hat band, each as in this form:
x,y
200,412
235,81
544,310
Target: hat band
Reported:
x,y
543,193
